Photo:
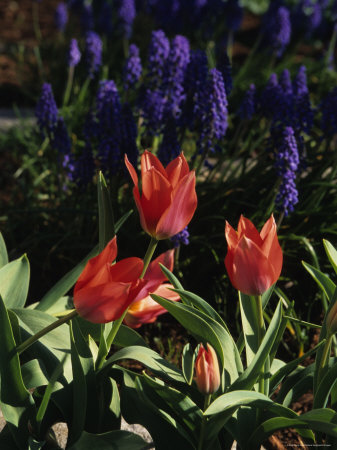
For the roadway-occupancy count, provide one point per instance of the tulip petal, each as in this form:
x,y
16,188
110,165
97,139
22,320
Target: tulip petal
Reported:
x,y
181,210
126,270
247,228
102,303
271,247
177,169
154,271
95,268
147,310
131,170
250,271
156,197
148,161
231,236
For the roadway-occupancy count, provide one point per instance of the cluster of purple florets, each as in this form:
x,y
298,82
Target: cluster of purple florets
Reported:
x,y
181,238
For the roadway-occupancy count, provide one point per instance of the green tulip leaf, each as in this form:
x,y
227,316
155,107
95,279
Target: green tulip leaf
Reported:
x,y
14,282
207,330
332,253
34,374
172,278
79,389
16,403
188,360
138,408
113,440
325,387
149,359
321,420
323,281
286,369
105,214
249,377
3,252
295,385
192,299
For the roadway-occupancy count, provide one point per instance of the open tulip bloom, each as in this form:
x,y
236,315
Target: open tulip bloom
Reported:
x,y
147,310
254,260
168,199
105,290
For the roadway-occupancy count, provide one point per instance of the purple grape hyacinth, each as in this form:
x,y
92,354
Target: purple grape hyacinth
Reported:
x,y
277,28
132,68
181,238
46,110
248,105
127,14
74,55
93,53
159,50
61,16
286,163
303,113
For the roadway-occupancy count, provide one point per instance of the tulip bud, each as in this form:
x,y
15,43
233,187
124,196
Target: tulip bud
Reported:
x,y
331,320
254,260
207,373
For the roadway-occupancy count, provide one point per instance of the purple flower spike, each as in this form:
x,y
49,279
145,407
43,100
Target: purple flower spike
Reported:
x,y
158,53
93,53
286,163
181,238
277,28
46,110
61,16
304,115
74,56
248,105
133,68
127,14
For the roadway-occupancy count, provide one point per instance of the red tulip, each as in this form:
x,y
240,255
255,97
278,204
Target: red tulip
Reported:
x,y
207,373
147,310
105,290
168,200
254,260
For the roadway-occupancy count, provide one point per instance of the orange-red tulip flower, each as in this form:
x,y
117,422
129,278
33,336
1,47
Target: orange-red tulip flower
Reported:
x,y
147,310
105,290
254,260
168,200
207,373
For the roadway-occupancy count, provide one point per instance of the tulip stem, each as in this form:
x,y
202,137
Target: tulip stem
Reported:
x,y
203,423
260,333
22,347
114,330
148,255
325,358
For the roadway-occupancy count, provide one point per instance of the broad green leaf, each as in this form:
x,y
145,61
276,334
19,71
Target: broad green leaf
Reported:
x,y
249,377
177,404
3,252
249,319
225,406
64,284
149,359
323,281
172,278
15,401
325,386
256,6
48,392
295,385
321,420
113,440
14,282
332,253
207,330
285,370
105,215
192,299
188,360
137,408
34,321
79,390
34,374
